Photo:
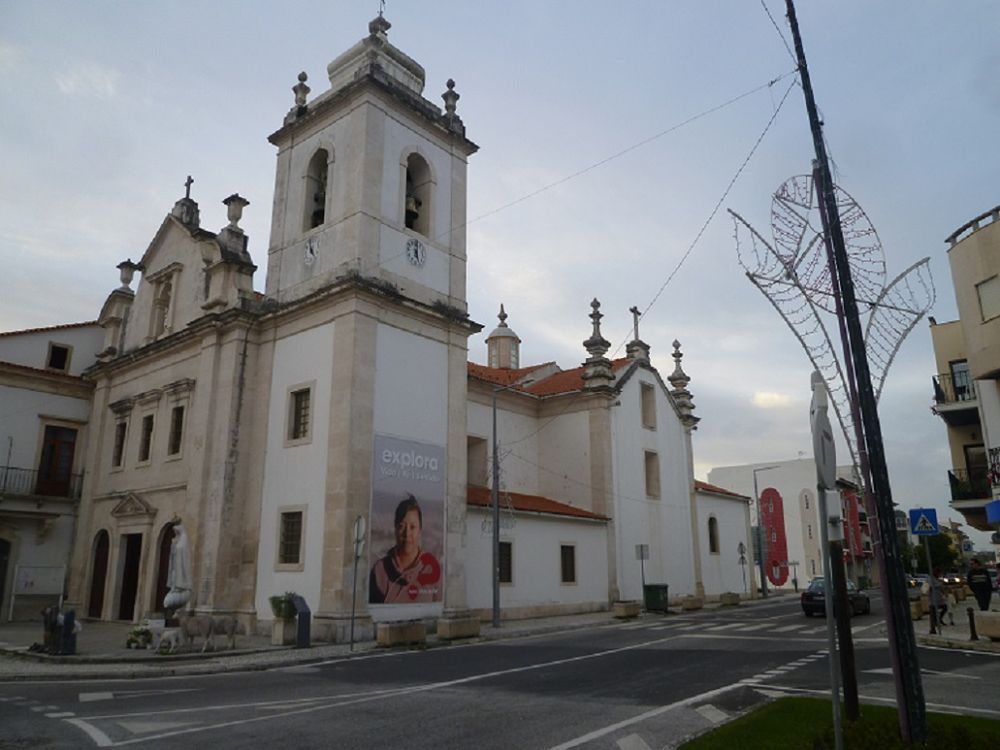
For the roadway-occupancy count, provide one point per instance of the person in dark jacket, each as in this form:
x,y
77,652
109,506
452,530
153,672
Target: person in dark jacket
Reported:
x,y
978,579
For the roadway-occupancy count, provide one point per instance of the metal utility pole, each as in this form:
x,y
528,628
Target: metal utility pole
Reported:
x,y
760,532
909,689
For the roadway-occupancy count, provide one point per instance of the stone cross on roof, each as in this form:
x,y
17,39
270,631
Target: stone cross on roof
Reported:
x,y
635,321
187,186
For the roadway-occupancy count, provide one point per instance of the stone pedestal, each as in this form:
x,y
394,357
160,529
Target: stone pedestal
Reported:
x,y
400,633
729,599
625,610
450,628
690,603
916,609
988,625
283,632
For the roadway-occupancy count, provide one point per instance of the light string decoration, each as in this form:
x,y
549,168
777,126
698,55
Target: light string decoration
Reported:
x,y
793,273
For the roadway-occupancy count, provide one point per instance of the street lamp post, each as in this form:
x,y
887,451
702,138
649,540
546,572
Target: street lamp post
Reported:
x,y
495,498
760,530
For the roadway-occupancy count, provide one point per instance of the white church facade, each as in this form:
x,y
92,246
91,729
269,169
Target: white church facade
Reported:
x,y
271,423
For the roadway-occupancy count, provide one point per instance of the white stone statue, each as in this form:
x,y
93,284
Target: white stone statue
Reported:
x,y
179,572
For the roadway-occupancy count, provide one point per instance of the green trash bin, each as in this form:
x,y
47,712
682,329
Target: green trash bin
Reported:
x,y
655,597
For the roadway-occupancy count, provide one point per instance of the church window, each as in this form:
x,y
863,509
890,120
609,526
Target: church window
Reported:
x,y
146,438
567,563
648,403
317,189
118,454
176,430
290,537
652,465
58,358
299,424
713,535
417,207
506,562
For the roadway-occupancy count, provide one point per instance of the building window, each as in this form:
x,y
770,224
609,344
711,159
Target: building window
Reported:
x,y
58,358
652,474
478,459
567,563
648,401
506,562
121,428
961,380
290,538
317,184
146,438
299,414
713,535
989,298
417,196
176,430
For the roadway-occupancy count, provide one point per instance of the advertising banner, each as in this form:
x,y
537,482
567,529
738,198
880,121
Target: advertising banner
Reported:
x,y
406,580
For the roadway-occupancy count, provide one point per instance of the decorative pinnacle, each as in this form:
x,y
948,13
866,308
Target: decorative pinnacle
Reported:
x,y
301,90
678,378
235,204
127,270
378,26
502,316
450,97
596,345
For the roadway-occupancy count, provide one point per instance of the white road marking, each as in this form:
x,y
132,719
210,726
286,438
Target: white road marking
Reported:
x,y
787,628
584,739
760,626
142,727
933,672
713,714
100,738
90,697
59,715
632,742
943,707
725,627
44,708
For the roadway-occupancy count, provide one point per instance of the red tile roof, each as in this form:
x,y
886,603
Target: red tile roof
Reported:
x,y
706,487
481,497
49,328
501,375
568,381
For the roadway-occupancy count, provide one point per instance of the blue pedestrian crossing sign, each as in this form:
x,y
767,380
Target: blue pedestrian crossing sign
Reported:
x,y
923,522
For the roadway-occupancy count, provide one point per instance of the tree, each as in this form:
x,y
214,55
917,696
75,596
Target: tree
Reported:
x,y
942,554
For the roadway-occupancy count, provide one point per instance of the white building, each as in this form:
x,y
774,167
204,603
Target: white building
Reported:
x,y
44,409
270,424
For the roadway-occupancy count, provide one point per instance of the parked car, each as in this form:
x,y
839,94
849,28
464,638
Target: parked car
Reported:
x,y
915,585
814,599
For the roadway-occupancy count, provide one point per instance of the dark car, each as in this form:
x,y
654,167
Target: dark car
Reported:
x,y
952,579
814,600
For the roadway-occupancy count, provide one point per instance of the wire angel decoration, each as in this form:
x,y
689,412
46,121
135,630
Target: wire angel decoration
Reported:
x,y
793,273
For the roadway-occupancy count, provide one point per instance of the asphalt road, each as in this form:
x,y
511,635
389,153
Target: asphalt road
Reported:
x,y
633,686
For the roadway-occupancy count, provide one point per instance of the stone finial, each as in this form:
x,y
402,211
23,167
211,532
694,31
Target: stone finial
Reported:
x,y
680,394
378,26
235,204
301,91
502,316
126,270
450,97
597,372
186,209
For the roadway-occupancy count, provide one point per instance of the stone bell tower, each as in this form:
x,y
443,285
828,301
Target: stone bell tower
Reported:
x,y
367,280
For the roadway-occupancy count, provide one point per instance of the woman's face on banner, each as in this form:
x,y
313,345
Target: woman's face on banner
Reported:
x,y
408,533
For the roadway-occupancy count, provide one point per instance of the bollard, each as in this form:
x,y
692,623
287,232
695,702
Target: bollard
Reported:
x,y
972,624
67,641
304,615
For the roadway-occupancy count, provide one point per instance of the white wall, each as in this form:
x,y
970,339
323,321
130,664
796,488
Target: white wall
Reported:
x,y
20,423
296,475
411,386
535,558
665,523
722,572
515,432
32,348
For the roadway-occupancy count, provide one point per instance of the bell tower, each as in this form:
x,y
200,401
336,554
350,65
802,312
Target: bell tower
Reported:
x,y
371,181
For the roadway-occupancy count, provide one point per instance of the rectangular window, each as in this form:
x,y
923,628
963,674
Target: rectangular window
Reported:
x,y
176,430
961,380
477,461
299,414
506,562
58,358
989,298
119,451
146,438
648,396
567,563
290,542
652,474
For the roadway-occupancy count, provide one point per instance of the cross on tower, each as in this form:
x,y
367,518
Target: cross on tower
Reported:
x,y
635,320
187,186
381,7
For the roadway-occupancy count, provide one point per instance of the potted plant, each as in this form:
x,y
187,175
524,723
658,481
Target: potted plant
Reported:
x,y
283,627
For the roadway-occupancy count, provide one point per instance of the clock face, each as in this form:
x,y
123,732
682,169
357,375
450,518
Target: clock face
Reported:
x,y
415,252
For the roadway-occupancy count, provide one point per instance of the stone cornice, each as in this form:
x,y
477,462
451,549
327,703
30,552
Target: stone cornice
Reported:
x,y
44,381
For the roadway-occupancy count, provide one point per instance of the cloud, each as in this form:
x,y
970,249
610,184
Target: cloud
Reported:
x,y
771,400
9,57
89,80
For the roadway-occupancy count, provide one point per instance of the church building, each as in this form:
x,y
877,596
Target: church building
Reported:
x,y
331,437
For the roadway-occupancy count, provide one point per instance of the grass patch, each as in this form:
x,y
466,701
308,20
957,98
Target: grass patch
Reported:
x,y
807,724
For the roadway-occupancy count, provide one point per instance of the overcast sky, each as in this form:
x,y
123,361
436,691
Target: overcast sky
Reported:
x,y
108,106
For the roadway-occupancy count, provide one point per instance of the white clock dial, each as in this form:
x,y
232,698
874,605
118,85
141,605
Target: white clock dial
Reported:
x,y
415,252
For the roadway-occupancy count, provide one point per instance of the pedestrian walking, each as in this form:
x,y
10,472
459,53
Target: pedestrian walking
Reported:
x,y
937,596
978,579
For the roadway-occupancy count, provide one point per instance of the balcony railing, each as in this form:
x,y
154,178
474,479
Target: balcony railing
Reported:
x,y
969,485
15,481
947,391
